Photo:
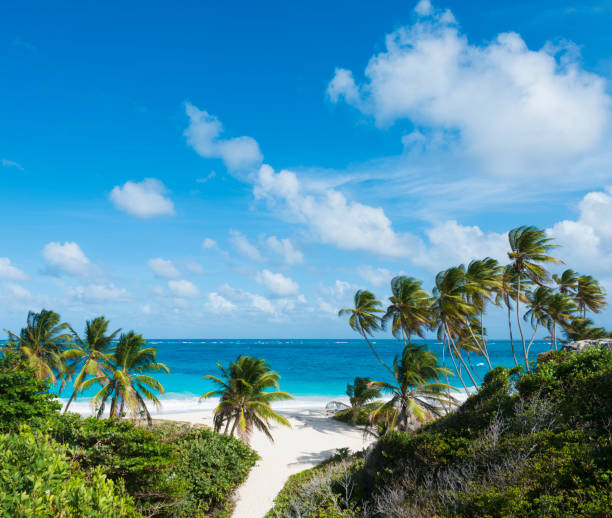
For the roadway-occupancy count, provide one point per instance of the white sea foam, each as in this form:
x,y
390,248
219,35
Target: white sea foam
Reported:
x,y
178,403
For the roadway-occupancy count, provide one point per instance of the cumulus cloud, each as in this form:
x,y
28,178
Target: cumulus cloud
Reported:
x,y
251,301
163,268
375,276
183,288
286,249
66,258
587,241
219,304
238,153
18,291
277,283
10,272
98,293
244,246
144,199
515,109
194,267
331,217
209,243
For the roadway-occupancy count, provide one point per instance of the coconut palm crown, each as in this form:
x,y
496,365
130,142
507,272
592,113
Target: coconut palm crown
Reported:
x,y
245,397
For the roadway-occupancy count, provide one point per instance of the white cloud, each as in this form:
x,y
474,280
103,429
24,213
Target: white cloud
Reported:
x,y
331,217
202,135
277,283
10,272
219,304
516,110
144,199
184,288
163,268
146,309
98,293
18,291
286,249
242,244
11,163
209,243
587,241
450,243
194,267
375,276
252,301
67,258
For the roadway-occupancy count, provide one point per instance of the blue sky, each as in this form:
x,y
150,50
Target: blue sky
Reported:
x,y
216,170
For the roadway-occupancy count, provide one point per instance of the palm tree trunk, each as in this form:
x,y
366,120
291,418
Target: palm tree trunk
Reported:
x,y
457,371
227,423
554,334
378,357
480,347
532,337
518,319
467,369
235,425
70,401
484,342
511,339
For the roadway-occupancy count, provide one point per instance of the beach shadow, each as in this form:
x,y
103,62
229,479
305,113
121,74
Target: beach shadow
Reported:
x,y
318,421
314,457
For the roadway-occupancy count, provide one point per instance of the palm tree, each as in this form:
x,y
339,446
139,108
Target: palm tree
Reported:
x,y
41,343
417,391
560,309
128,385
583,329
506,293
451,311
529,248
482,279
360,393
93,353
409,309
245,397
364,318
567,282
538,304
589,294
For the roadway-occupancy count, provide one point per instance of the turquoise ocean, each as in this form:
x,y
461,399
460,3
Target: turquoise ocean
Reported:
x,y
313,371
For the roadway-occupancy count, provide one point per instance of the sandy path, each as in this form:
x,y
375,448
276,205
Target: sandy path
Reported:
x,y
312,438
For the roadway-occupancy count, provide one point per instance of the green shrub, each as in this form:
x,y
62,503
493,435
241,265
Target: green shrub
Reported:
x,y
23,397
38,480
535,446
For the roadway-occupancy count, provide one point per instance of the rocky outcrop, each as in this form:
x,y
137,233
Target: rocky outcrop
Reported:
x,y
582,345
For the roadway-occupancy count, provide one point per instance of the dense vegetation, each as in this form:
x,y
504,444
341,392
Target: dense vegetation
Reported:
x,y
96,468
529,446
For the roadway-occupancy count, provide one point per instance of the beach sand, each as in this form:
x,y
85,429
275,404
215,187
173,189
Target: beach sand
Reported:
x,y
312,438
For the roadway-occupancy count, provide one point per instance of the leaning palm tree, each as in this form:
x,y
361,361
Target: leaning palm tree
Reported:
x,y
567,282
92,353
505,293
409,310
41,343
583,329
128,384
417,392
245,397
560,309
482,280
360,393
364,319
537,312
451,311
529,248
590,295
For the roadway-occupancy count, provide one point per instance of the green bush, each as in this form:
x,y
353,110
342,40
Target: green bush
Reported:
x,y
213,465
37,479
23,397
535,446
363,414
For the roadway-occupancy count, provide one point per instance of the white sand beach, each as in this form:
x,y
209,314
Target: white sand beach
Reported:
x,y
312,438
